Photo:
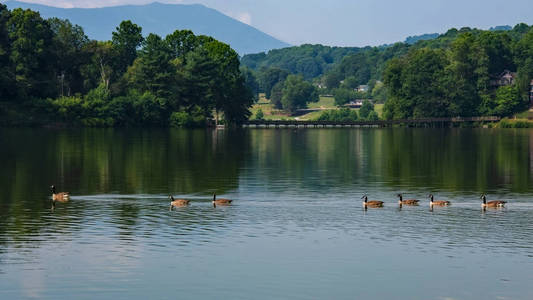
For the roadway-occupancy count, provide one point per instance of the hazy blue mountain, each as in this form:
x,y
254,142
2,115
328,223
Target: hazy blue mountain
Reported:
x,y
163,19
501,28
411,40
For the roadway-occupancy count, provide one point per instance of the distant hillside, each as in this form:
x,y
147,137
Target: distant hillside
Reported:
x,y
424,37
163,19
501,28
309,60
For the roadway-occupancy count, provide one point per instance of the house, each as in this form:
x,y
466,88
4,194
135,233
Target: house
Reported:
x,y
505,78
363,88
355,104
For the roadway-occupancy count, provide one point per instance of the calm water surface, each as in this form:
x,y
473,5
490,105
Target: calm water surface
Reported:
x,y
296,230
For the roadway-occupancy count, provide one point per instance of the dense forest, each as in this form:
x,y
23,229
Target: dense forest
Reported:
x,y
453,74
51,73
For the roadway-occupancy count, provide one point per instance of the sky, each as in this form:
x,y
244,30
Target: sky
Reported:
x,y
351,22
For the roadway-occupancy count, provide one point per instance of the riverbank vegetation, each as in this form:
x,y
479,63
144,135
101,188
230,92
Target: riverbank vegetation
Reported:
x,y
51,73
465,72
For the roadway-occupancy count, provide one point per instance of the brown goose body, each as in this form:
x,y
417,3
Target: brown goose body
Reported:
x,y
408,201
178,202
493,204
367,203
438,202
221,201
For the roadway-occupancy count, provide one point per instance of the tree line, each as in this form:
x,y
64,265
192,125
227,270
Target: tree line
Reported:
x,y
51,72
463,77
451,74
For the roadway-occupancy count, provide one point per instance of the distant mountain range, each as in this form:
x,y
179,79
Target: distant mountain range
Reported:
x,y
162,19
411,40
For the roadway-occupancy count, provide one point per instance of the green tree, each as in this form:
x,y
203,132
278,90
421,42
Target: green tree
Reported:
x,y
230,94
524,61
6,71
126,39
339,115
415,85
251,82
259,115
333,80
31,55
277,95
379,93
181,42
507,101
69,44
152,70
366,109
297,92
99,70
269,77
372,116
343,96
467,76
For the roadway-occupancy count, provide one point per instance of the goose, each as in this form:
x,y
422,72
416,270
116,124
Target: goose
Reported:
x,y
177,202
59,197
486,204
224,202
367,203
438,202
407,202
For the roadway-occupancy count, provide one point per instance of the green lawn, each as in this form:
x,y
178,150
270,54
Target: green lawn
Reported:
x,y
522,115
324,102
273,114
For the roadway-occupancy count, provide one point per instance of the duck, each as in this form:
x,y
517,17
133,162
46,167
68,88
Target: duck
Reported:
x,y
496,203
177,202
367,203
407,202
59,197
438,202
223,202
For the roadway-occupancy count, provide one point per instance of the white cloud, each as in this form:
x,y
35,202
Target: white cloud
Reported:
x,y
246,18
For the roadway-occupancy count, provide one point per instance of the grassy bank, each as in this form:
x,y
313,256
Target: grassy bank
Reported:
x,y
325,103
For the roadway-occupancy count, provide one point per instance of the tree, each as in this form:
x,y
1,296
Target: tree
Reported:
x,y
340,115
69,44
333,80
415,85
181,42
366,109
99,70
297,92
6,71
379,93
31,55
126,39
372,116
467,72
277,94
507,101
259,115
269,77
524,61
231,96
251,82
343,96
152,70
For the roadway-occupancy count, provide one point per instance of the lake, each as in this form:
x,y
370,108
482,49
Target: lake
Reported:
x,y
296,229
